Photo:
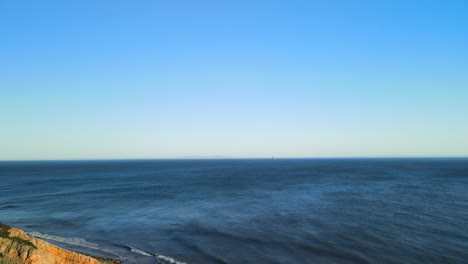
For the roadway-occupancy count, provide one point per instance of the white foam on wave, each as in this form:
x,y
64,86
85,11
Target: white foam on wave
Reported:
x,y
167,260
74,241
71,240
141,252
160,258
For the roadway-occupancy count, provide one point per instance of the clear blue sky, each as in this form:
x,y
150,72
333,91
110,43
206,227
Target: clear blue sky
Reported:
x,y
160,79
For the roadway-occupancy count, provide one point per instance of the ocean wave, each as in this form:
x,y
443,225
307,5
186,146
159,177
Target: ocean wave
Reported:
x,y
160,258
80,242
167,260
74,241
139,251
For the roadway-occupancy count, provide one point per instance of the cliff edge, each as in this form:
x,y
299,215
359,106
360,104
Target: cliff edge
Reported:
x,y
16,247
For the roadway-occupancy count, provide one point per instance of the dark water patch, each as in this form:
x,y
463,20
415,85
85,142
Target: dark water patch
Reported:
x,y
6,207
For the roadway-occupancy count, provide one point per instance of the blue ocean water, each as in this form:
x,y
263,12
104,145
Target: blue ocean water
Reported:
x,y
245,210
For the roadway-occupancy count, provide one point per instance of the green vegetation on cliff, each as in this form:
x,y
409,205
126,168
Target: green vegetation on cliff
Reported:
x,y
5,233
4,230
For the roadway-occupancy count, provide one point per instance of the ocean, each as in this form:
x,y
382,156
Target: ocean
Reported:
x,y
245,210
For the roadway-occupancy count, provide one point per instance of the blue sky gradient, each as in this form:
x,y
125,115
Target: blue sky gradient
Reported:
x,y
163,79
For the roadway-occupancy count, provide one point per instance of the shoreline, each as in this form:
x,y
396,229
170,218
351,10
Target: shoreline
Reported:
x,y
17,247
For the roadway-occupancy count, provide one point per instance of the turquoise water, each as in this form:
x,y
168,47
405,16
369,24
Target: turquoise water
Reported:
x,y
245,211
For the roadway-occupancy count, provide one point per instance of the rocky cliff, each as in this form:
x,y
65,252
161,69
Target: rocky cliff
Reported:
x,y
16,247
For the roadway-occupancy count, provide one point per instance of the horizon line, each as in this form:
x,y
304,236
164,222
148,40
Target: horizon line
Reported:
x,y
238,158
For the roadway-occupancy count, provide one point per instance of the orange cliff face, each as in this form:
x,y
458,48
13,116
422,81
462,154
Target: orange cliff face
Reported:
x,y
16,247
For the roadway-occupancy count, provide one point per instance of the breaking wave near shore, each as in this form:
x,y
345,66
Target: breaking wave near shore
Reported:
x,y
125,253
